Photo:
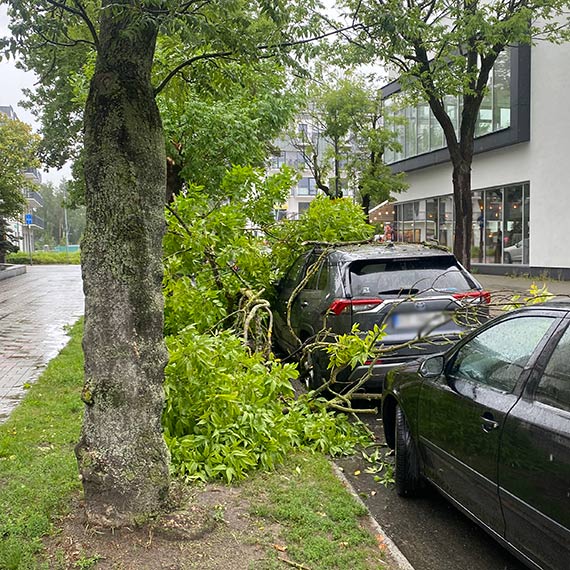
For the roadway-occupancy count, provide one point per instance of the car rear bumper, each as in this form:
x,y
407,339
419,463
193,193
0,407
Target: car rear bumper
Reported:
x,y
372,375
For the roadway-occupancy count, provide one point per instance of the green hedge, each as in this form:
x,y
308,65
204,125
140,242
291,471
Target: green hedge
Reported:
x,y
45,258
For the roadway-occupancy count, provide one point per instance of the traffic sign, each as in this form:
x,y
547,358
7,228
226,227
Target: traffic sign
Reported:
x,y
28,219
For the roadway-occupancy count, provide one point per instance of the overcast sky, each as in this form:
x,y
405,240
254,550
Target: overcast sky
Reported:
x,y
12,81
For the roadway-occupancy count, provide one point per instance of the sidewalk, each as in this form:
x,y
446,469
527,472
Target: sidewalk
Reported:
x,y
34,309
506,283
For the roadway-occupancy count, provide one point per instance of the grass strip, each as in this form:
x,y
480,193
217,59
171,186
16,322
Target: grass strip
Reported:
x,y
321,524
38,471
323,527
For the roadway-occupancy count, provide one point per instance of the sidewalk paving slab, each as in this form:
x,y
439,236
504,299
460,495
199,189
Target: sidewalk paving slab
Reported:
x,y
35,308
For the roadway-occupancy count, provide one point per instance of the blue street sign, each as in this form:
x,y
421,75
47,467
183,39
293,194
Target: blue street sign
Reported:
x,y
29,219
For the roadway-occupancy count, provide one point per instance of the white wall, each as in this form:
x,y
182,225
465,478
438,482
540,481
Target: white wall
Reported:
x,y
544,161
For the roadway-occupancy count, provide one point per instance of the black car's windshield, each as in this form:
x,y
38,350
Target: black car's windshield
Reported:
x,y
407,276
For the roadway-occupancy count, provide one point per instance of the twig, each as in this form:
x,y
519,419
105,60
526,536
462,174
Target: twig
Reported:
x,y
294,564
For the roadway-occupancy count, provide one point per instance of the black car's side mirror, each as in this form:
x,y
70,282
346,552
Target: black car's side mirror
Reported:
x,y
432,367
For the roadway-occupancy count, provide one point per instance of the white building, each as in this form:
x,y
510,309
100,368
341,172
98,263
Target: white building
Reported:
x,y
520,174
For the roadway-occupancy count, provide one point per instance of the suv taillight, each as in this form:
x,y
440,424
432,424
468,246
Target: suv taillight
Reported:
x,y
339,306
474,297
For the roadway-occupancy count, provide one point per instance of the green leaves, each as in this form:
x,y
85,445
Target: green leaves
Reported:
x,y
18,147
229,412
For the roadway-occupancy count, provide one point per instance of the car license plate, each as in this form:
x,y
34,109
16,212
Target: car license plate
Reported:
x,y
418,320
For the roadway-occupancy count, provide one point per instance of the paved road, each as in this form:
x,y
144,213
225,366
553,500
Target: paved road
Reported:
x,y
428,530
34,309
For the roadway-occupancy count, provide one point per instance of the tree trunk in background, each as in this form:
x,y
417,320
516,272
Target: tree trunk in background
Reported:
x,y
122,455
463,212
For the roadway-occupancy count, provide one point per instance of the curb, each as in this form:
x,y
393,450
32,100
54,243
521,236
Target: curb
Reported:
x,y
12,271
395,553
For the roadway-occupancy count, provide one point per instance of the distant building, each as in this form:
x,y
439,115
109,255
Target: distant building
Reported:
x,y
23,227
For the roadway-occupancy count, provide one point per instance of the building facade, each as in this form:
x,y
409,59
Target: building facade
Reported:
x,y
521,199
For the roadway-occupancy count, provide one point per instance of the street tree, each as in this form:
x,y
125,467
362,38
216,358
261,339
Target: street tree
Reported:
x,y
443,48
18,152
346,141
122,456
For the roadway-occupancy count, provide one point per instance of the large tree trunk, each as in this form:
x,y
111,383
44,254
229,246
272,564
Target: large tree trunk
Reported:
x,y
463,212
122,456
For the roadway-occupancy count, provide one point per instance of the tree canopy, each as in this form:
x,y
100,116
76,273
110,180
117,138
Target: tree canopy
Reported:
x,y
18,153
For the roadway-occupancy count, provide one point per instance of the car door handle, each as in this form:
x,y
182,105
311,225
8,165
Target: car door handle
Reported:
x,y
304,304
489,422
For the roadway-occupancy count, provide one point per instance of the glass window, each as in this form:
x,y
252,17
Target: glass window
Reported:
x,y
526,222
494,226
554,386
401,134
497,356
423,114
513,224
436,134
411,132
431,218
385,277
485,121
446,221
502,91
478,245
452,108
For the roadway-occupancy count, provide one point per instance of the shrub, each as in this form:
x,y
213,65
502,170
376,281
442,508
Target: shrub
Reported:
x,y
45,258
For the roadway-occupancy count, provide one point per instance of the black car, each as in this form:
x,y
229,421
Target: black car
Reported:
x,y
488,423
414,290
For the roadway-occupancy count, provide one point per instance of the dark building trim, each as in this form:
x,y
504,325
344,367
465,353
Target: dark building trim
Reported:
x,y
518,132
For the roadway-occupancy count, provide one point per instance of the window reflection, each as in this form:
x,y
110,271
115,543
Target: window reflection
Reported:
x,y
419,132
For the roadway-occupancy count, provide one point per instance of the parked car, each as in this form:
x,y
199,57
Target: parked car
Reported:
x,y
414,290
517,253
488,424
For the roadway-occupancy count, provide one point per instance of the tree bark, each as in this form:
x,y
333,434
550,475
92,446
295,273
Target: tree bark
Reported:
x,y
463,212
122,456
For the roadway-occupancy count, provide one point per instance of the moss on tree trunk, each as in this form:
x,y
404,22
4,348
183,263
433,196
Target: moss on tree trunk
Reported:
x,y
122,456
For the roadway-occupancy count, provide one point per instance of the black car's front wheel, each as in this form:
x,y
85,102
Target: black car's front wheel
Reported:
x,y
408,478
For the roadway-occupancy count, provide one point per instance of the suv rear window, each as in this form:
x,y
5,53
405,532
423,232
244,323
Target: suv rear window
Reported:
x,y
407,276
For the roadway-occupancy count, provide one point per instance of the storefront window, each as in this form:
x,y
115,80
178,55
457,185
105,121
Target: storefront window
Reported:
x,y
431,219
445,221
513,224
478,244
500,223
493,226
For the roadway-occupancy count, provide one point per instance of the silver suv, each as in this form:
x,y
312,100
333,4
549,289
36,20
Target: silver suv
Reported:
x,y
422,295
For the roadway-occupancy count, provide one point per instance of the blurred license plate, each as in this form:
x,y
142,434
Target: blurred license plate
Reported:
x,y
418,320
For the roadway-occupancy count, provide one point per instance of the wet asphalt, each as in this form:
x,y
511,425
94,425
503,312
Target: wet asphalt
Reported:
x,y
35,308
